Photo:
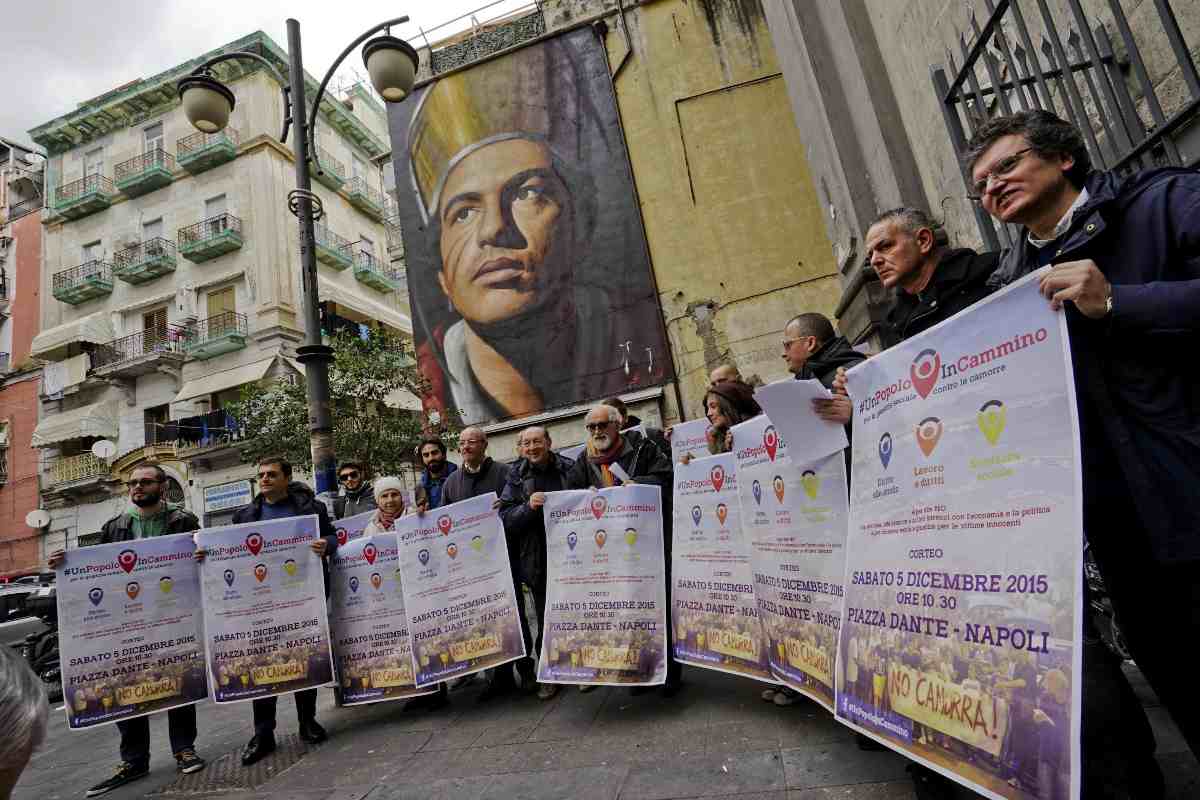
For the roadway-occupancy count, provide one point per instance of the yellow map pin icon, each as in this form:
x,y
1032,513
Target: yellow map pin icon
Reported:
x,y
991,419
630,536
811,483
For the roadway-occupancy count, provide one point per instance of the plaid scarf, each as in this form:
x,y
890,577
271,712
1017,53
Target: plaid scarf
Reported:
x,y
602,460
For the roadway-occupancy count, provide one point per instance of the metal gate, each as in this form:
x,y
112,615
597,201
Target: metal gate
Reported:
x,y
1004,71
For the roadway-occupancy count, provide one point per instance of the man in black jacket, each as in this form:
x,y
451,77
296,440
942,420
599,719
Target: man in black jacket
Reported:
x,y
812,350
910,253
358,496
280,497
540,471
149,515
644,462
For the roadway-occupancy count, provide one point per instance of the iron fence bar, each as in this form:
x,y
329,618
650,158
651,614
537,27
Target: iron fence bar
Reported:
x,y
1075,98
1179,46
973,53
1085,33
1133,123
95,268
1161,137
1006,51
1054,73
1023,29
990,66
1143,76
973,81
959,139
1111,144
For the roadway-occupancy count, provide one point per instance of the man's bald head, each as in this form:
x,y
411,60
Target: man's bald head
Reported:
x,y
725,372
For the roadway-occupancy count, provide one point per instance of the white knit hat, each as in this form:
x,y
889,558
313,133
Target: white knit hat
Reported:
x,y
382,484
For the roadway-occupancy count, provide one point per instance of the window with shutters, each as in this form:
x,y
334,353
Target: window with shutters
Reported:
x,y
154,137
93,162
221,308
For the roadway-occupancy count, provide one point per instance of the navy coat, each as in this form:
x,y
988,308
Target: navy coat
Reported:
x,y
1136,376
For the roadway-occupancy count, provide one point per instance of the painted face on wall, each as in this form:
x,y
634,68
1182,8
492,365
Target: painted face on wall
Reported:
x,y
506,232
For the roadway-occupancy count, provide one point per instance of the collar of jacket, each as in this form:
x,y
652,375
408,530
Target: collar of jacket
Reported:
x,y
427,479
483,467
952,269
363,490
837,352
300,495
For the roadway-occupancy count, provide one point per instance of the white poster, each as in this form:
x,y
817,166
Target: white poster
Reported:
x,y
266,629
606,588
348,528
689,438
130,630
458,591
794,516
789,404
960,646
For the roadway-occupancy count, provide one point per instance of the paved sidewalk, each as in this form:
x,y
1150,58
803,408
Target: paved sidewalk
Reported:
x,y
715,739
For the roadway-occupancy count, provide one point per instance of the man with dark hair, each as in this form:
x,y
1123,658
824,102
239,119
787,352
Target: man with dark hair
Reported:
x,y
910,253
812,350
437,469
279,497
1126,272
357,494
149,515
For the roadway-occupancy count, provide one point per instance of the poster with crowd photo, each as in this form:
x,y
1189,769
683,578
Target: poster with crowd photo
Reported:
x,y
458,591
536,134
713,608
130,630
371,647
605,588
794,516
348,528
265,622
960,645
689,439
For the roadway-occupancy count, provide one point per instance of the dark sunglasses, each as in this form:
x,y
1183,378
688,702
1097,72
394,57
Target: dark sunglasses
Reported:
x,y
347,476
141,482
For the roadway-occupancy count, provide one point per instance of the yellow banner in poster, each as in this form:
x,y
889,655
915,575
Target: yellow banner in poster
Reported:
x,y
480,646
607,657
975,718
814,661
279,673
733,643
391,676
146,692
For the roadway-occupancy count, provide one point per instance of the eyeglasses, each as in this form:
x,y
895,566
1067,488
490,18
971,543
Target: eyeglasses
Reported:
x,y
999,170
141,482
788,342
347,476
598,426
465,442
271,475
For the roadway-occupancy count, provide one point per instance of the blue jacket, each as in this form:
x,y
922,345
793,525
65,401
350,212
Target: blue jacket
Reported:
x,y
1136,380
433,487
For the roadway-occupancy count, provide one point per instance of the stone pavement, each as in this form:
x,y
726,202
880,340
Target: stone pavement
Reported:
x,y
716,739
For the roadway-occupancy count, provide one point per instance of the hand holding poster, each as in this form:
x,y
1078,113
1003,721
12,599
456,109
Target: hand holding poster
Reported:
x,y
713,609
964,550
129,630
371,645
789,404
689,438
794,518
606,592
458,591
266,630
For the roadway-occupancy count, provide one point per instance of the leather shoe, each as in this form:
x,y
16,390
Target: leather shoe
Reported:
x,y
312,732
258,748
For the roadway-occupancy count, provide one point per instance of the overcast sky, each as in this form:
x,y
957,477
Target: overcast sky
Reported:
x,y
57,53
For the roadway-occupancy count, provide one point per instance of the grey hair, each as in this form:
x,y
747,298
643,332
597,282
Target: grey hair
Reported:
x,y
613,414
535,429
812,324
912,220
23,711
482,433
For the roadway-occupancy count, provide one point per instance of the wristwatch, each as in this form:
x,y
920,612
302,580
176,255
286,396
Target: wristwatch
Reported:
x,y
1108,304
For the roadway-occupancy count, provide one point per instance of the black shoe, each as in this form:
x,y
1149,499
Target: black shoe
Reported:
x,y
495,689
930,785
258,748
429,702
312,732
187,762
126,773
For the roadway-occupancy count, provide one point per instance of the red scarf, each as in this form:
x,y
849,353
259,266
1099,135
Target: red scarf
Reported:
x,y
604,459
384,519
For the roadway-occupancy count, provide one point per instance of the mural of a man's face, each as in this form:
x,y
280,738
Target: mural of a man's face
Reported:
x,y
506,232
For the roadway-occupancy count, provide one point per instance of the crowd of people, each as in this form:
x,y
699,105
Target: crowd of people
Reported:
x,y
1126,256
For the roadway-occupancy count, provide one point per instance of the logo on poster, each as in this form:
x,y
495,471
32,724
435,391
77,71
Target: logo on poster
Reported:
x,y
423,557
717,476
354,583
696,514
572,540
771,441
133,589
289,567
925,370
228,576
165,584
811,483
342,536
477,543
127,559
991,418
722,512
445,523
369,553
254,543
376,580
260,572
452,550
778,486
885,449
929,431
95,594
756,488
601,538
631,536
598,506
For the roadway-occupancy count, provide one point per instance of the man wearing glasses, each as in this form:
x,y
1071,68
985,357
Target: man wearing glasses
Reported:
x,y
358,496
148,515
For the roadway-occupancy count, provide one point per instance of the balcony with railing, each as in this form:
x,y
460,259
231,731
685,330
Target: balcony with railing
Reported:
x,y
75,471
210,238
395,237
145,173
365,199
27,206
206,433
222,333
372,272
5,363
202,151
85,282
141,353
332,250
87,195
332,172
145,261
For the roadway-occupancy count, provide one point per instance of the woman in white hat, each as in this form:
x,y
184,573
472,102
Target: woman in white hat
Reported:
x,y
389,499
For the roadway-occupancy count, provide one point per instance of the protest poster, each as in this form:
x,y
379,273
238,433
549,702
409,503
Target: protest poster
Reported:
x,y
689,438
713,608
960,644
371,647
266,628
789,404
605,588
348,528
130,630
794,517
458,591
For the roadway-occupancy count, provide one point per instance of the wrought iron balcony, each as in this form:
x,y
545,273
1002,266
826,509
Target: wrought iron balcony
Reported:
x,y
332,250
210,238
395,236
28,206
333,172
207,433
87,195
84,468
145,173
365,198
218,334
145,261
372,272
141,353
85,282
201,151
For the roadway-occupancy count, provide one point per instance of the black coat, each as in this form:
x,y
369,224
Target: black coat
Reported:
x,y
959,281
120,527
525,527
823,364
305,503
463,485
1137,385
353,503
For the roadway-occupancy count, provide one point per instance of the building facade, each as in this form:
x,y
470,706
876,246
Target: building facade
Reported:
x,y
171,279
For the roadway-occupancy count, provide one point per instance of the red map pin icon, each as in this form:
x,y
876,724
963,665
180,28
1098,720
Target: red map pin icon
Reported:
x,y
369,553
717,476
598,506
445,523
771,441
342,536
254,543
925,370
127,559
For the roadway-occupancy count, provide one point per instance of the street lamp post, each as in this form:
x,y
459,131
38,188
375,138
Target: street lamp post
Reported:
x,y
392,66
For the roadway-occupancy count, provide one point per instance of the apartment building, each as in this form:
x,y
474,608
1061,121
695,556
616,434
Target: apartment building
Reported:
x,y
172,279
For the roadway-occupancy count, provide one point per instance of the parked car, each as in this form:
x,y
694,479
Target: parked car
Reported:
x,y
17,619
